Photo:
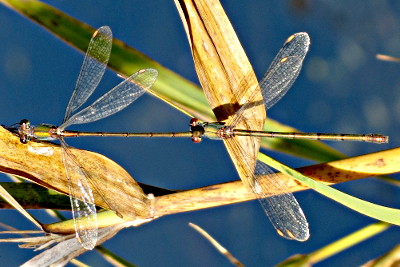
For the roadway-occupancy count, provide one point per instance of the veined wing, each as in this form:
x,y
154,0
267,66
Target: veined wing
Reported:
x,y
280,76
284,69
116,99
93,68
279,204
275,198
82,200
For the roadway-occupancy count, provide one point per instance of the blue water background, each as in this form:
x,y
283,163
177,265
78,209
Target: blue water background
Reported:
x,y
342,88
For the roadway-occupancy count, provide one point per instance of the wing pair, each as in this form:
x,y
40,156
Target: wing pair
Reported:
x,y
276,199
81,186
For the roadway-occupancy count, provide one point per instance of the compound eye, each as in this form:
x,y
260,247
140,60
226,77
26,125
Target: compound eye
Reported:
x,y
24,122
194,122
23,139
196,139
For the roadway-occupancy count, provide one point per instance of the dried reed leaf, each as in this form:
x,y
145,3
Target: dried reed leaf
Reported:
x,y
225,74
387,58
235,192
112,185
379,163
221,63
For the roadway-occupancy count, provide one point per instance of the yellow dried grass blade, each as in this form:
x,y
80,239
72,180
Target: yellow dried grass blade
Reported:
x,y
217,245
78,263
373,164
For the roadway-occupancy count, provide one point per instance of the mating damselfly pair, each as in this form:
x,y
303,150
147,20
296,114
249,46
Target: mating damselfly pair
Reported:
x,y
288,219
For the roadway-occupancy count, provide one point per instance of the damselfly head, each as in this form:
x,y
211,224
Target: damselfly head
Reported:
x,y
197,130
24,131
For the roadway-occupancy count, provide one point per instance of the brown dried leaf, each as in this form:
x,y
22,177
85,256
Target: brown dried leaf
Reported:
x,y
224,72
42,163
221,63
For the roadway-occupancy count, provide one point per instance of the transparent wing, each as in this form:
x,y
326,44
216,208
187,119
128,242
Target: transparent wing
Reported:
x,y
284,69
116,99
82,201
275,198
281,74
279,204
93,68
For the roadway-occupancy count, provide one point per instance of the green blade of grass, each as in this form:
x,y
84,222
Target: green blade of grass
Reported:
x,y
112,258
33,196
372,210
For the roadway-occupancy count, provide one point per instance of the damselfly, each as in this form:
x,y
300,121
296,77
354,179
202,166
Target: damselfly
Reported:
x,y
93,68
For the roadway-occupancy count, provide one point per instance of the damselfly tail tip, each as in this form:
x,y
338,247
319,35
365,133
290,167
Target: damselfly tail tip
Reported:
x,y
377,138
